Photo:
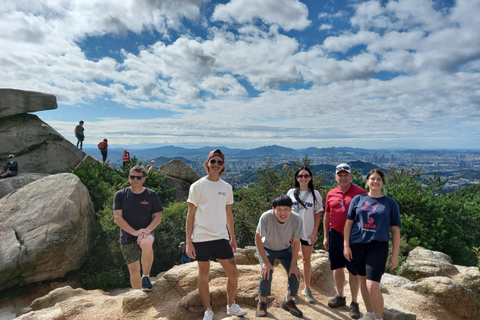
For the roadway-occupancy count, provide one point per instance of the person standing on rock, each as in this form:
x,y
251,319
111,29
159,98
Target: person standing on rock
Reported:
x,y
11,168
208,225
103,147
307,202
273,239
336,209
137,211
79,133
370,218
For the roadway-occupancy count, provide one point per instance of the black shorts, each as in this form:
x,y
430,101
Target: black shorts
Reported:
x,y
219,249
335,252
370,259
305,243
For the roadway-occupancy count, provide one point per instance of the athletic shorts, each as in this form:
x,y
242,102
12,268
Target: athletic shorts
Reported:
x,y
219,249
370,259
305,243
335,252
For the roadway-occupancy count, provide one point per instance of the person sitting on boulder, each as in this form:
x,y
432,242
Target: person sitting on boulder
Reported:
x,y
11,168
125,158
278,237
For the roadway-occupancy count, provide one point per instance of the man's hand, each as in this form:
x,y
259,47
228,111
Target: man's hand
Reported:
x,y
190,250
295,270
233,244
266,269
325,243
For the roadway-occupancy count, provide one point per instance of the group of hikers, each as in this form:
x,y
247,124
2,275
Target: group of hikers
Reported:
x,y
356,223
103,147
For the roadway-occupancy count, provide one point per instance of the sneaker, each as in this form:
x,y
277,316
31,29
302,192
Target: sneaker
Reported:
x,y
337,301
308,295
368,316
146,284
208,315
292,308
354,310
235,310
261,309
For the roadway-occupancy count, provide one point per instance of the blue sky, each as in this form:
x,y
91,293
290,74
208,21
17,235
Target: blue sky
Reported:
x,y
249,73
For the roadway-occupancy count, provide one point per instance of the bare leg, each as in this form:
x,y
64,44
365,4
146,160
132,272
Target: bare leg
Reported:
x,y
339,277
354,283
365,293
203,288
147,254
307,264
376,298
232,278
135,277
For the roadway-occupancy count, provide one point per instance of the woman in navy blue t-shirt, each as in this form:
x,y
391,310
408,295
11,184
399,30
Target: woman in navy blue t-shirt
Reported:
x,y
370,218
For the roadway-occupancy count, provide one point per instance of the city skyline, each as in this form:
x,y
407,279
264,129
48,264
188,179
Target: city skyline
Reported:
x,y
245,74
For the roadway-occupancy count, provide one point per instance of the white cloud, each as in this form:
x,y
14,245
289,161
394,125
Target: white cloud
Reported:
x,y
288,14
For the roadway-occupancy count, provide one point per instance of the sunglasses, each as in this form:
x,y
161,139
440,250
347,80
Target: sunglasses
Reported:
x,y
136,177
213,161
303,176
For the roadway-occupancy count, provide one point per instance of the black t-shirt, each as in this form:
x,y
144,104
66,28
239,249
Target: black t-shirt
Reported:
x,y
137,210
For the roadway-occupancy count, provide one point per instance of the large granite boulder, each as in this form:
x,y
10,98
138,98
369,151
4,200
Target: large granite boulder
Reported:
x,y
37,146
179,170
14,101
180,188
422,263
44,230
10,184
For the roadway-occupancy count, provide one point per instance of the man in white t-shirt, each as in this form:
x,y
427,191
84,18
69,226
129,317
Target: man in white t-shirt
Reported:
x,y
209,216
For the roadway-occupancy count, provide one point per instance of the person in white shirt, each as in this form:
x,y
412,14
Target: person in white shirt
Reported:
x,y
307,202
209,223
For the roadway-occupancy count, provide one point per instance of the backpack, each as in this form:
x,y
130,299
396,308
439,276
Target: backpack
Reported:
x,y
102,146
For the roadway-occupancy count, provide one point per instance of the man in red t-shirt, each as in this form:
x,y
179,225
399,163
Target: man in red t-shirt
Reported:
x,y
336,209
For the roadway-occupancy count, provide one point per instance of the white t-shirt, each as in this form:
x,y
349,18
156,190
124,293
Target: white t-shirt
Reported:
x,y
210,198
307,214
275,235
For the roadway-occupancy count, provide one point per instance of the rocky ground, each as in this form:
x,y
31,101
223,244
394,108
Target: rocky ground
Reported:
x,y
175,298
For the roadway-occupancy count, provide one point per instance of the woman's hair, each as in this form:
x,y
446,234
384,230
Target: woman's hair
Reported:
x,y
296,193
379,172
205,165
282,200
382,175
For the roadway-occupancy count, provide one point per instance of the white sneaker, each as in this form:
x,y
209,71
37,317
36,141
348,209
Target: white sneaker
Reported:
x,y
235,310
208,315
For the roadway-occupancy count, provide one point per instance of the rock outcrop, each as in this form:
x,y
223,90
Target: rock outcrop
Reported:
x,y
175,297
179,170
180,176
38,148
449,284
44,230
14,102
13,183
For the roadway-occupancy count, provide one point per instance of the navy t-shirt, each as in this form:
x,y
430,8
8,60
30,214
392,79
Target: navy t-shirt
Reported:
x,y
137,210
372,218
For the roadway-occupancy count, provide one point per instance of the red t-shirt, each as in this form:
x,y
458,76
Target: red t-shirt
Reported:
x,y
337,203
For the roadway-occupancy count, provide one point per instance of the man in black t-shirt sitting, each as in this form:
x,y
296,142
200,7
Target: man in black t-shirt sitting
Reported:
x,y
137,211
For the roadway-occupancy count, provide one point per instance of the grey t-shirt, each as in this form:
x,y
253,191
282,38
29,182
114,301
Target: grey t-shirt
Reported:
x,y
275,235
